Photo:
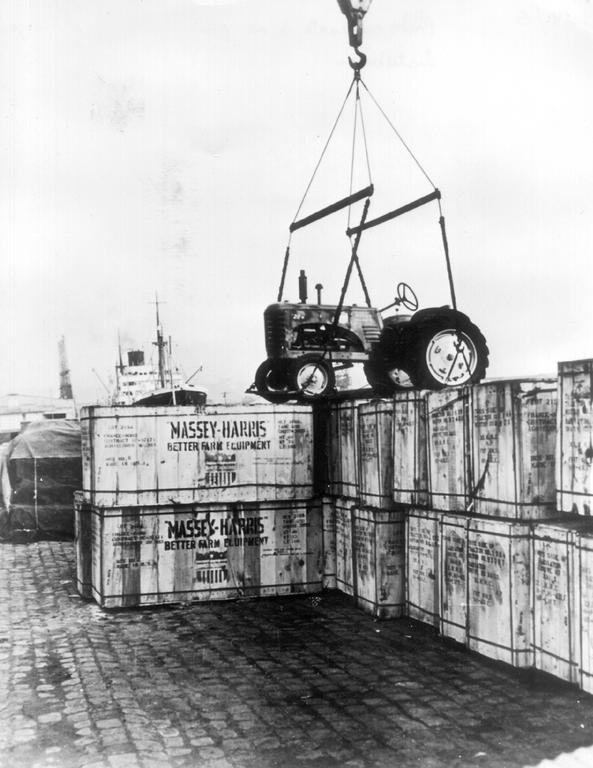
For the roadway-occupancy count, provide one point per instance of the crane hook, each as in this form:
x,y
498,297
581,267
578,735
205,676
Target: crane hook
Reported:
x,y
358,65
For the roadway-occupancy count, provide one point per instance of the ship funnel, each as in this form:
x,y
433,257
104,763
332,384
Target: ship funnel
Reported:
x,y
136,357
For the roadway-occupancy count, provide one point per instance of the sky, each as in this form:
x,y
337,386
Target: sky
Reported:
x,y
152,147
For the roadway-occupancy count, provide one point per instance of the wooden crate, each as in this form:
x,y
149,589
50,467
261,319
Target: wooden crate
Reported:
x,y
410,460
83,546
449,454
453,530
328,509
575,437
499,590
514,448
344,560
584,597
343,449
422,565
556,611
379,561
151,456
375,441
171,554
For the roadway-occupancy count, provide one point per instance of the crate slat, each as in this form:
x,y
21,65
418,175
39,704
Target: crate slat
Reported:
x,y
584,584
422,565
499,590
344,559
343,449
83,547
329,542
449,454
575,437
375,463
379,561
410,458
556,611
453,535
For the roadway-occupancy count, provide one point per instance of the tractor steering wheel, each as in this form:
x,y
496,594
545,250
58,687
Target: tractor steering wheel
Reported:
x,y
406,296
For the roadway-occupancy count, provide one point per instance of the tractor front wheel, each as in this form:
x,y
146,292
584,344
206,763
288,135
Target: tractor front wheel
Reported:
x,y
311,376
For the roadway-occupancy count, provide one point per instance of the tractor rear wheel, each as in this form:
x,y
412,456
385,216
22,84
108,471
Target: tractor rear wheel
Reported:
x,y
448,351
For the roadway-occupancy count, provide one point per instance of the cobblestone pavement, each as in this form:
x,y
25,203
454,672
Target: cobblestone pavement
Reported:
x,y
303,681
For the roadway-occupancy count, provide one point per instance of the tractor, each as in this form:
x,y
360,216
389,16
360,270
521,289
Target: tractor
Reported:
x,y
429,348
306,343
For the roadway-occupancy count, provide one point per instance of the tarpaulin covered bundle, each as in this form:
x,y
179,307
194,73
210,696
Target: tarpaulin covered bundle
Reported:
x,y
40,470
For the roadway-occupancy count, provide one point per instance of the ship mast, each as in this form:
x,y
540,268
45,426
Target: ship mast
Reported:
x,y
160,344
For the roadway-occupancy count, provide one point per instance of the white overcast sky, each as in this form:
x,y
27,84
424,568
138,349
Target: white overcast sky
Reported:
x,y
164,145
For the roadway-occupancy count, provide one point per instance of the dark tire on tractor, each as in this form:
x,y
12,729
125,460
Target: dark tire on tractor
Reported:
x,y
385,379
311,377
447,351
271,381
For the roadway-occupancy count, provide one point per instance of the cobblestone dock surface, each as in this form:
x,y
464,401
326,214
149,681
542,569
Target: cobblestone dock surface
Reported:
x,y
287,682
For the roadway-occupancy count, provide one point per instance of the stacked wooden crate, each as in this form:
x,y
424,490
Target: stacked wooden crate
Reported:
x,y
367,528
183,504
562,551
491,450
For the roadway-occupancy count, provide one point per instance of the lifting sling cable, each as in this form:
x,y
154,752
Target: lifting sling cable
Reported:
x,y
287,253
436,195
358,111
399,136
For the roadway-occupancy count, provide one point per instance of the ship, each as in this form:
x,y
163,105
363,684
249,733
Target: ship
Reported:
x,y
142,383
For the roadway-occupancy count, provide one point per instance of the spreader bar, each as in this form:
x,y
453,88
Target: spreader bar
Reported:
x,y
344,203
436,195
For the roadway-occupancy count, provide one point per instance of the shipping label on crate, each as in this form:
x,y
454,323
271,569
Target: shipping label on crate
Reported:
x,y
156,456
575,428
